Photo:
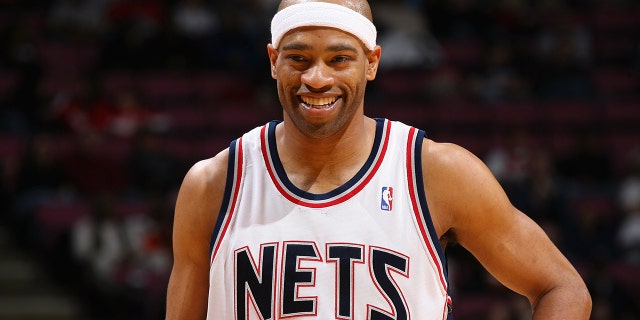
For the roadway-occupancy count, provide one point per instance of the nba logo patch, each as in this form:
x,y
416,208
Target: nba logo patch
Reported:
x,y
386,199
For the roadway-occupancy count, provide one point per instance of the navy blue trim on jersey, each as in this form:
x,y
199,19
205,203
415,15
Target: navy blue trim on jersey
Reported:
x,y
426,214
420,136
282,176
226,199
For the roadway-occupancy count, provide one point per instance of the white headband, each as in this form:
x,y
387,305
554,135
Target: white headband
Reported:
x,y
322,14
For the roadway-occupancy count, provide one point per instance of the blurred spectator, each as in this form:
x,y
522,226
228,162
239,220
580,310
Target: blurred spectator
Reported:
x,y
150,266
195,25
561,26
629,236
100,246
84,111
129,115
193,19
406,37
98,240
88,111
510,163
628,233
129,256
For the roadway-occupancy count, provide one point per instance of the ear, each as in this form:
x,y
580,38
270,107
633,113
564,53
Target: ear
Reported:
x,y
273,57
374,60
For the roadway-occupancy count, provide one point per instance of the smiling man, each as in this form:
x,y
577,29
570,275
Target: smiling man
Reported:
x,y
330,214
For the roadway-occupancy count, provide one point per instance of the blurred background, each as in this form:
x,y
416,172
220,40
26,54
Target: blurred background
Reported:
x,y
107,103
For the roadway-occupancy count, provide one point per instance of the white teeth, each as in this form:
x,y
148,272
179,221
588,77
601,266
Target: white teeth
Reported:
x,y
318,101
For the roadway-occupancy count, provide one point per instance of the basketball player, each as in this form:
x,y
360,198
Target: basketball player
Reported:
x,y
330,214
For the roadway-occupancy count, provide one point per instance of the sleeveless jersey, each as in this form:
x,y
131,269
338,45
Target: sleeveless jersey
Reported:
x,y
366,250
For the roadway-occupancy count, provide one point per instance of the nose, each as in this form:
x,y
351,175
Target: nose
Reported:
x,y
318,76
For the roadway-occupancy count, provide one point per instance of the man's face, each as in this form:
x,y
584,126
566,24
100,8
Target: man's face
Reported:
x,y
321,77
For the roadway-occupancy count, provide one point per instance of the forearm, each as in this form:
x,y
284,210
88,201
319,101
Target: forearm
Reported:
x,y
186,296
566,303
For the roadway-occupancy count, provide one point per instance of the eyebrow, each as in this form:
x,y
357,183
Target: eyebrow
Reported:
x,y
334,48
343,47
296,46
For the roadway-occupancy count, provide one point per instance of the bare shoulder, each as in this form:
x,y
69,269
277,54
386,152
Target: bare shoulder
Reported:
x,y
448,156
199,201
459,186
450,167
205,179
207,174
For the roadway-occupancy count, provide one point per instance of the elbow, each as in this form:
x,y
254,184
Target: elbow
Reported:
x,y
569,301
583,298
579,300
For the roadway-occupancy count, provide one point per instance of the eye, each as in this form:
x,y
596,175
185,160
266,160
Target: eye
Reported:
x,y
296,58
341,59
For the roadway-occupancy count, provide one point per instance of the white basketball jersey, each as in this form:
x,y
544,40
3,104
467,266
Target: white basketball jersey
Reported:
x,y
366,250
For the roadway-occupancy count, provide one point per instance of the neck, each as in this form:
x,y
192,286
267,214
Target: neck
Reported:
x,y
320,165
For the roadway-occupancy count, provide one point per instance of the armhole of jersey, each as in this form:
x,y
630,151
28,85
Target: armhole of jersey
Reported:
x,y
423,215
422,198
234,173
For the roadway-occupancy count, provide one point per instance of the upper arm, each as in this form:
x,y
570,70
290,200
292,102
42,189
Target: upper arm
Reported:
x,y
465,199
196,211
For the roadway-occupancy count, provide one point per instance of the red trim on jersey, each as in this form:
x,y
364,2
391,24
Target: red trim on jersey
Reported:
x,y
320,204
416,206
267,163
234,197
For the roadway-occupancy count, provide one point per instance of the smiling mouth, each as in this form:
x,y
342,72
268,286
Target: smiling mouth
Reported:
x,y
318,103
